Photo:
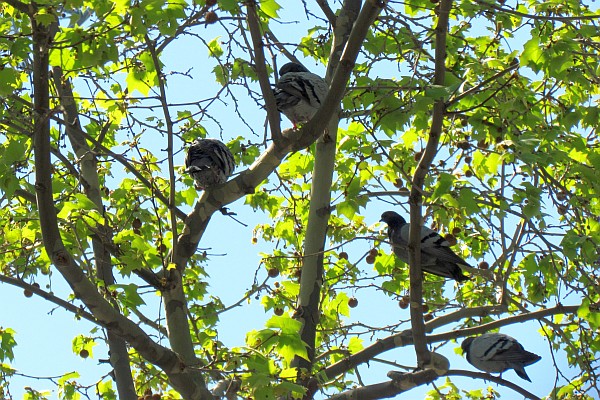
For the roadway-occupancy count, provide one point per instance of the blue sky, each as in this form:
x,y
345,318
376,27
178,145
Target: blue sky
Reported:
x,y
44,339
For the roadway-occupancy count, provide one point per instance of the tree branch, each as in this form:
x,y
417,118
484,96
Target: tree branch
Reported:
x,y
187,381
483,84
558,309
125,163
416,198
337,87
401,383
320,205
119,356
492,378
261,71
328,12
78,311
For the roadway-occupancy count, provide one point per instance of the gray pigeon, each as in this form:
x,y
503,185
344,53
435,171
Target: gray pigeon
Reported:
x,y
209,162
299,93
436,256
496,352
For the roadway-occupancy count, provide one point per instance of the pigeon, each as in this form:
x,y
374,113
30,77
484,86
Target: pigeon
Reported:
x,y
299,93
436,256
496,352
209,162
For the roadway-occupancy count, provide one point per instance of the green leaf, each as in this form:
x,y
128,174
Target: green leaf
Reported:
x,y
131,299
347,208
445,182
214,47
286,324
437,92
43,17
7,344
9,82
533,54
270,8
355,345
591,316
84,202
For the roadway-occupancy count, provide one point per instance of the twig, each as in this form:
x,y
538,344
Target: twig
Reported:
x,y
476,88
539,16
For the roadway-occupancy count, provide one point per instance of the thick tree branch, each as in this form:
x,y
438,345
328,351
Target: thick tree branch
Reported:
x,y
119,356
337,87
401,383
416,198
320,204
187,381
404,338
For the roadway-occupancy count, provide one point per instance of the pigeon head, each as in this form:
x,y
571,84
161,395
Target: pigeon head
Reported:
x,y
392,218
466,344
291,67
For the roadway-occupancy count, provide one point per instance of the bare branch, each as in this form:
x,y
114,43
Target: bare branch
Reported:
x,y
123,161
538,17
78,311
261,70
327,11
404,338
492,378
401,383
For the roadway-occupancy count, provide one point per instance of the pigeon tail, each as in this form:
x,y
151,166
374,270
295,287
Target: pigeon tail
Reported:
x,y
520,370
458,275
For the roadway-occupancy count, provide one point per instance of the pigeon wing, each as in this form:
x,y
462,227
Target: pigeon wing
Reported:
x,y
298,86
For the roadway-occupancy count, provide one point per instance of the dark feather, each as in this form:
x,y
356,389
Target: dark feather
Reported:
x,y
299,93
209,162
436,256
496,353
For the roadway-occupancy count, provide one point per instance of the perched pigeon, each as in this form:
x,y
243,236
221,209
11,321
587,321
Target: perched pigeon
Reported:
x,y
436,256
299,93
209,162
496,352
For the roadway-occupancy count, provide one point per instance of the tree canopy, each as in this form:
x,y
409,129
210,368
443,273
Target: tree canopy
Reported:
x,y
476,118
